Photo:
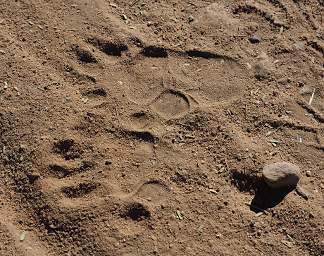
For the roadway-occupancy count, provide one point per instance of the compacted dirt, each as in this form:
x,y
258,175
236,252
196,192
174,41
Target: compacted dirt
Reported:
x,y
141,127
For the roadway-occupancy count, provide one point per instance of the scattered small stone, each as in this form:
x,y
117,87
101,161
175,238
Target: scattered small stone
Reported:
x,y
290,238
284,81
219,236
191,18
281,30
33,176
124,17
299,45
213,191
281,174
301,192
108,162
84,100
261,71
5,85
274,142
255,39
287,243
2,52
96,92
309,174
305,90
179,215
22,236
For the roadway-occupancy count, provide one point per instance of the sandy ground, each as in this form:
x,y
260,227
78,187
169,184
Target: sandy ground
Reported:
x,y
141,127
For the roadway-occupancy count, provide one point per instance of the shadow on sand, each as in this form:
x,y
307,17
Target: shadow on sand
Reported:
x,y
264,196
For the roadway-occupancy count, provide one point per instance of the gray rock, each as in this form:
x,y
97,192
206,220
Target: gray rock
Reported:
x,y
281,174
302,192
191,18
255,39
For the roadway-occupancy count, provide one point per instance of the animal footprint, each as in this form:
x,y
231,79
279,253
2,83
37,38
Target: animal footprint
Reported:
x,y
68,149
96,92
153,191
135,211
108,47
80,190
68,172
63,170
171,74
84,56
171,104
155,52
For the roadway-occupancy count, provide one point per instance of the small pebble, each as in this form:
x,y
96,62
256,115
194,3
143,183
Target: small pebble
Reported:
x,y
258,214
213,191
302,192
108,162
255,39
191,18
33,176
287,243
308,173
219,236
22,236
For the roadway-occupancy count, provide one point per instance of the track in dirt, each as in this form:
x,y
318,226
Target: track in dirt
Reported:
x,y
141,128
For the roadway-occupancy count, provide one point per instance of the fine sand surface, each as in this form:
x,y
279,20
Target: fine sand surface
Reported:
x,y
141,127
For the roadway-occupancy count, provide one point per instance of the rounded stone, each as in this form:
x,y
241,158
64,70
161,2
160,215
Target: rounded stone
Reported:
x,y
281,174
255,39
